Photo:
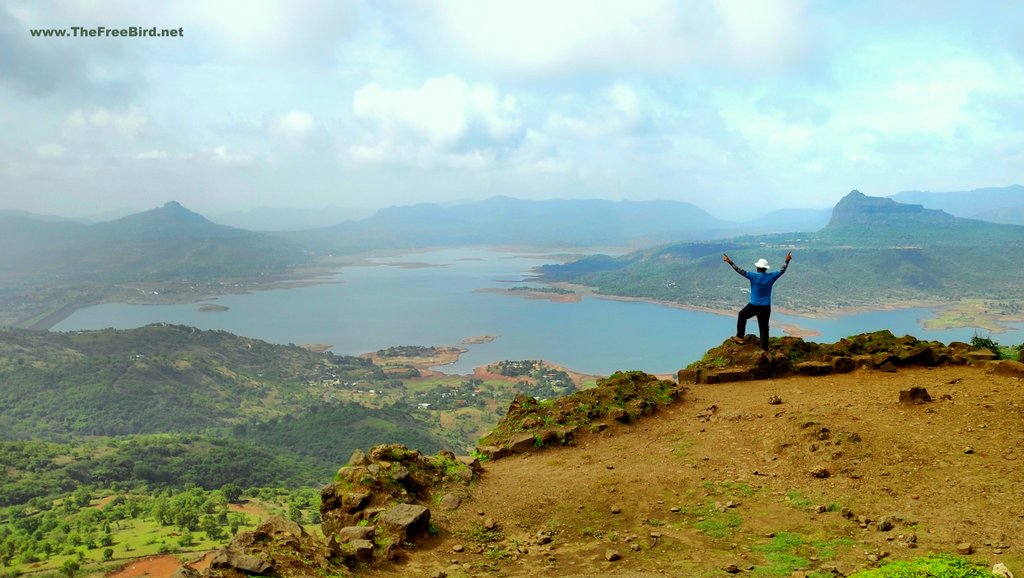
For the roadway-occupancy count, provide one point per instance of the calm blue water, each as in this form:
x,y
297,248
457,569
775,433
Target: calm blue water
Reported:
x,y
373,307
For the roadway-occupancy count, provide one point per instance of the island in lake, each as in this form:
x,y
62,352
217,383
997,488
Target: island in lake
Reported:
x,y
554,294
477,340
212,308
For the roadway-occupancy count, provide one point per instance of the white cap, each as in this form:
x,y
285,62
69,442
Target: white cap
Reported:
x,y
762,264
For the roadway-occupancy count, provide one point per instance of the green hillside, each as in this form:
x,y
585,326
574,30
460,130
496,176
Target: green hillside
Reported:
x,y
172,405
874,252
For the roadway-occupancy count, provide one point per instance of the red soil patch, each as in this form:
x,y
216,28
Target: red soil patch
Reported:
x,y
102,502
154,567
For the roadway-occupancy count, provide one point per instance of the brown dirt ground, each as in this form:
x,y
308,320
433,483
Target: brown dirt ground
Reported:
x,y
154,567
884,458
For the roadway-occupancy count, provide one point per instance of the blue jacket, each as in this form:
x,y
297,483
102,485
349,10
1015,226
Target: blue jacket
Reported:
x,y
761,284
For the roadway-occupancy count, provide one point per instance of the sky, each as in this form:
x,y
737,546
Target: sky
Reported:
x,y
737,106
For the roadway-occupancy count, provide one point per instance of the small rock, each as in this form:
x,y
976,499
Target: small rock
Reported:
x,y
820,473
674,510
885,523
774,400
635,547
968,450
732,569
964,549
612,555
1001,570
450,502
845,512
616,510
458,548
438,574
888,367
490,524
820,509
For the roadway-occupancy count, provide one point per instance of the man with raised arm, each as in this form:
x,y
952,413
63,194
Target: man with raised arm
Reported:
x,y
760,305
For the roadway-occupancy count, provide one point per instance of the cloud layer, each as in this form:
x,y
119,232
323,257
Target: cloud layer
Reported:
x,y
739,107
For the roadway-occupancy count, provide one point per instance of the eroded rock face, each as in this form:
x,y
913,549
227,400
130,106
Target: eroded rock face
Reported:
x,y
406,521
880,350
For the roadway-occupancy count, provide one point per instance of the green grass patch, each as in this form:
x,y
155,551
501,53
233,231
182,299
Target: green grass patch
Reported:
x,y
789,551
937,566
798,500
477,533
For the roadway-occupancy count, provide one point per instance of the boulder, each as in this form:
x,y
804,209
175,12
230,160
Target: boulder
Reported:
x,y
843,364
362,550
921,355
229,558
914,395
450,502
352,533
406,521
358,458
494,452
185,572
981,356
523,443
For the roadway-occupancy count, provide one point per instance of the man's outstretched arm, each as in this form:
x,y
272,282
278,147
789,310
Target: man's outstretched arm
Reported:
x,y
734,267
789,257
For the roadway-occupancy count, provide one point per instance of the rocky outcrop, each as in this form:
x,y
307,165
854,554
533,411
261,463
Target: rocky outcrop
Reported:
x,y
530,425
880,350
373,511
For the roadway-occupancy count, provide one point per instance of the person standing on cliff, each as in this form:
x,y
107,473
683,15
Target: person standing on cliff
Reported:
x,y
760,305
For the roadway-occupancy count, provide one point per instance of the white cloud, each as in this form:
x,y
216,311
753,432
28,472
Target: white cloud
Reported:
x,y
445,119
222,156
104,122
617,114
51,150
296,124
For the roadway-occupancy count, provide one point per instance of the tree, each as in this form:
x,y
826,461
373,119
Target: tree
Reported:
x,y
70,567
108,553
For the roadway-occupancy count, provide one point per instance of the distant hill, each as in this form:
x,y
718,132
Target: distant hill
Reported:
x,y
874,251
290,219
787,220
50,264
504,220
995,204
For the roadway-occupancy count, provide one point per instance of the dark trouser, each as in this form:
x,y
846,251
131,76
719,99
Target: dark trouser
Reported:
x,y
762,312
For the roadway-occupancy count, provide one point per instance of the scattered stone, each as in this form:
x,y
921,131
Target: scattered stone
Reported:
x,y
888,367
490,524
968,450
964,549
813,368
598,427
820,473
450,502
523,443
843,364
820,509
674,509
915,395
458,548
1007,367
618,414
1001,570
732,569
543,537
616,510
612,555
438,574
774,400
885,523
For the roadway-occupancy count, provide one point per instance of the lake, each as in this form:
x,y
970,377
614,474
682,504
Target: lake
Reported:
x,y
431,298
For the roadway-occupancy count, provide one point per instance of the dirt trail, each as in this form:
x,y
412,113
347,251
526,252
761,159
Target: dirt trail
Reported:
x,y
724,477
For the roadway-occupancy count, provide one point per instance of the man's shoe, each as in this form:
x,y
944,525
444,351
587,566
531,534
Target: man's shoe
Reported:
x,y
737,340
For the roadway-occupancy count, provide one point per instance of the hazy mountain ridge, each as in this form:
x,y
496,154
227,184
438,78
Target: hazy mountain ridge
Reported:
x,y
995,204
